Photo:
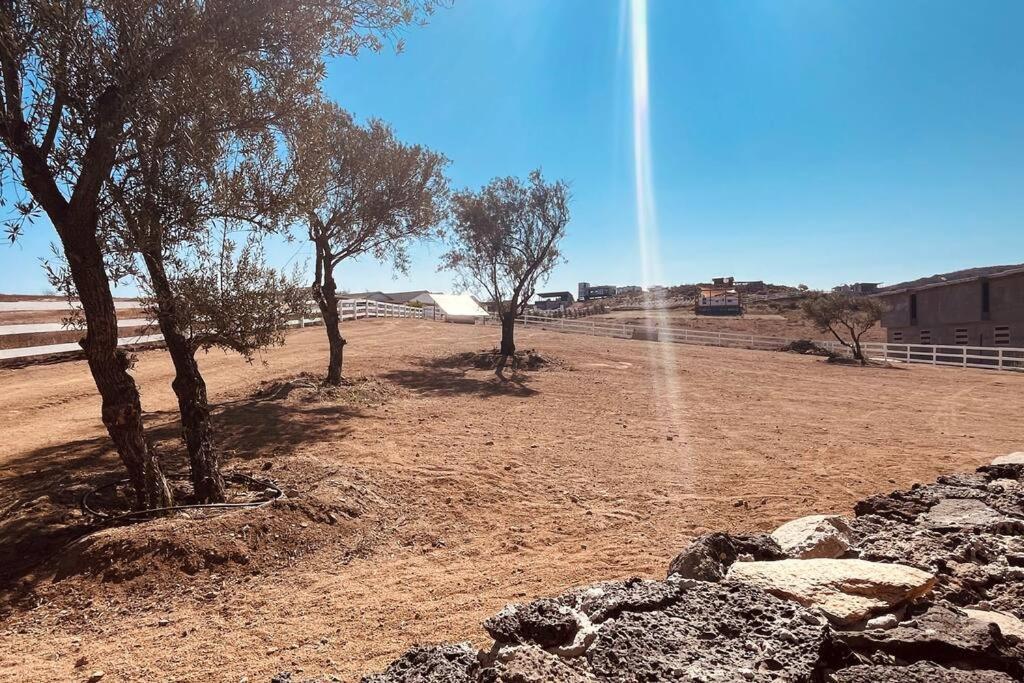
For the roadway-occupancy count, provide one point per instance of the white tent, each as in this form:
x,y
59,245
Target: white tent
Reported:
x,y
455,308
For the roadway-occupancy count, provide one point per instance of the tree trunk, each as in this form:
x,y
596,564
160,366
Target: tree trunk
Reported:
x,y
122,408
508,345
326,295
189,387
858,353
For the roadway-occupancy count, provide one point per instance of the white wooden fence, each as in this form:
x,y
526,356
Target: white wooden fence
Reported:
x,y
350,309
985,357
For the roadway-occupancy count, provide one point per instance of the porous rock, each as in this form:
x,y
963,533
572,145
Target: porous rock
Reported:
x,y
944,635
814,536
958,513
845,590
712,632
544,622
919,672
530,664
1008,624
602,601
432,664
708,557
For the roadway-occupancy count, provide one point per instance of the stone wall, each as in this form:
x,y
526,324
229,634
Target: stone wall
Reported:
x,y
922,586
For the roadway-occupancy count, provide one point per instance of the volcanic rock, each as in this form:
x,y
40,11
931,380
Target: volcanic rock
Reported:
x,y
543,622
708,557
919,672
847,591
943,635
432,664
529,664
955,514
713,632
826,536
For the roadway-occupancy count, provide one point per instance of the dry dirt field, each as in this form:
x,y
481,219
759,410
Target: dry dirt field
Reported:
x,y
759,320
427,497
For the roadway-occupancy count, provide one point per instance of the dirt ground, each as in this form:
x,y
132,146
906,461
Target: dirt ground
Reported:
x,y
761,321
428,501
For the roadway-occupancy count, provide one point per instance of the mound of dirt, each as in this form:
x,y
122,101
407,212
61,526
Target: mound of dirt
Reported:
x,y
807,347
310,388
529,359
322,507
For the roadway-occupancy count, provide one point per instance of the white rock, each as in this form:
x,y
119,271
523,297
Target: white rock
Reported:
x,y
1011,459
1007,623
886,621
814,536
844,590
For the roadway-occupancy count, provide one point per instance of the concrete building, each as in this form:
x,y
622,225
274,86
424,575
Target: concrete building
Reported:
x,y
858,288
629,289
974,307
744,286
586,291
554,301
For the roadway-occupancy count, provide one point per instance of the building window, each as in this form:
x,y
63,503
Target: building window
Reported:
x,y
897,336
960,336
926,336
986,301
913,309
1001,336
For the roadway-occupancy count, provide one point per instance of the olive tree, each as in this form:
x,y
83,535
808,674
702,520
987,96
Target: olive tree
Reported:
x,y
361,191
76,76
504,241
847,317
161,210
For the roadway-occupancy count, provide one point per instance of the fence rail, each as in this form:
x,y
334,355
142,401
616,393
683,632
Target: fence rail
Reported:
x,y
983,357
349,309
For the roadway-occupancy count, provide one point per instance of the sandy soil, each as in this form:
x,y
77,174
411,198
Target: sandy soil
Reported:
x,y
483,493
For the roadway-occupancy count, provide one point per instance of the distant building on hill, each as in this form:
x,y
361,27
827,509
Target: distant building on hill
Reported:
x,y
554,301
629,289
586,291
858,288
718,300
745,286
973,307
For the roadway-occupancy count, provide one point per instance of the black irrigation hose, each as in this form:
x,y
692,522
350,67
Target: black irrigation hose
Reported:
x,y
142,514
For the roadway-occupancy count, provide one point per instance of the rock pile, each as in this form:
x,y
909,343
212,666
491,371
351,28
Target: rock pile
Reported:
x,y
921,585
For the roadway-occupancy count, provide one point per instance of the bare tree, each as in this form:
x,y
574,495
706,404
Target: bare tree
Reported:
x,y
361,191
847,317
504,241
76,75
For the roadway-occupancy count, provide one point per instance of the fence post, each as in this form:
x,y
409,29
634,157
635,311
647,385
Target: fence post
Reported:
x,y
935,355
1000,366
965,356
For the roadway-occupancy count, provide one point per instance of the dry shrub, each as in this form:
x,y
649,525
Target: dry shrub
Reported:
x,y
529,359
311,388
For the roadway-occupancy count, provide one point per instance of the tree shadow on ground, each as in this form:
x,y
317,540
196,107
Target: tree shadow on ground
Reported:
x,y
39,500
446,376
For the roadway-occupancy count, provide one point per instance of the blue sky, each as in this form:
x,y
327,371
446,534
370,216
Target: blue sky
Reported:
x,y
793,141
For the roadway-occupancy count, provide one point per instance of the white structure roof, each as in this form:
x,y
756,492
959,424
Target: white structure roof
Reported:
x,y
456,305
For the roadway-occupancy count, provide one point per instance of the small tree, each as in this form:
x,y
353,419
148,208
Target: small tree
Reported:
x,y
846,317
505,240
361,191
